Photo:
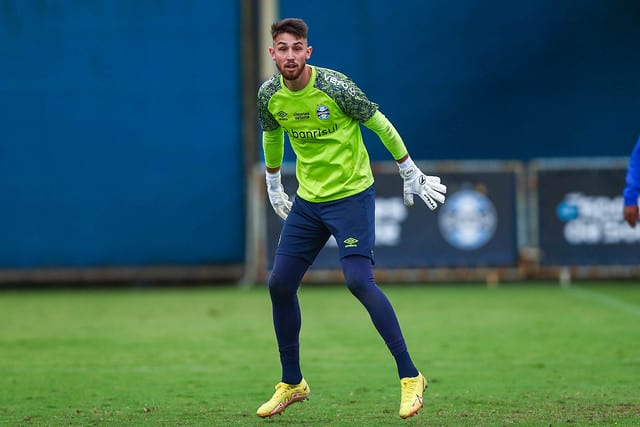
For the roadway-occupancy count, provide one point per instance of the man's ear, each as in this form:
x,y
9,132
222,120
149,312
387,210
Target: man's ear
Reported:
x,y
309,50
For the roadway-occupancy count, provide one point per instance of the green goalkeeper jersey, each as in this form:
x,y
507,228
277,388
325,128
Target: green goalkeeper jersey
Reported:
x,y
322,122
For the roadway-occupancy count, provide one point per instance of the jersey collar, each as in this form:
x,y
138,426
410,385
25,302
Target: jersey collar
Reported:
x,y
312,81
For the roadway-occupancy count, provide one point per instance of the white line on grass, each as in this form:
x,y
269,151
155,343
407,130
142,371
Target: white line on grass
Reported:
x,y
606,300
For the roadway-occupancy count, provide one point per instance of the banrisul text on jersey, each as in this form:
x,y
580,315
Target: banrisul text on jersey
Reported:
x,y
310,134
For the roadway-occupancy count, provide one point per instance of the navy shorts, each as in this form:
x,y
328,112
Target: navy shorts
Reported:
x,y
350,220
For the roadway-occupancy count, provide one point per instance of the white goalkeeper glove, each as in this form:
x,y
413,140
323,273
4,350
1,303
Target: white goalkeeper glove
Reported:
x,y
278,198
427,187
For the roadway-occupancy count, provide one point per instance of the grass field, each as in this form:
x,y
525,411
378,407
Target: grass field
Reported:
x,y
534,355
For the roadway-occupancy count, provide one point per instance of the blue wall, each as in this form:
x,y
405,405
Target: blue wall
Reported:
x,y
120,133
120,121
472,79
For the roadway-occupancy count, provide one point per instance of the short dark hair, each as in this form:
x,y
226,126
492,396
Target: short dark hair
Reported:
x,y
295,26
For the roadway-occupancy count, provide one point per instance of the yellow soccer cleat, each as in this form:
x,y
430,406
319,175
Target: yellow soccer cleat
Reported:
x,y
285,395
412,391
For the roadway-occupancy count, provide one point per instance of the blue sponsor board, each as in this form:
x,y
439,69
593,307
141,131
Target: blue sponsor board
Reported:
x,y
580,220
476,227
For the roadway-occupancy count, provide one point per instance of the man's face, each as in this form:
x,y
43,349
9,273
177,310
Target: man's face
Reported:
x,y
290,55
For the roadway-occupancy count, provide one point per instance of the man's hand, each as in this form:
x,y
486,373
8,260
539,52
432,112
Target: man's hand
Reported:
x,y
278,198
427,187
631,215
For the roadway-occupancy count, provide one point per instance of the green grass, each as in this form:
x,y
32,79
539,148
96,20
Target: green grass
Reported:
x,y
534,355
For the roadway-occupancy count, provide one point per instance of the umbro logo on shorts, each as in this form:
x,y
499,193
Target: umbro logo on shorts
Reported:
x,y
351,242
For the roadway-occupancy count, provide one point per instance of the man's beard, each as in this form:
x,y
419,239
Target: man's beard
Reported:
x,y
292,74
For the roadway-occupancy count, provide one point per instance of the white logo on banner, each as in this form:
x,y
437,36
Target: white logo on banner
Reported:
x,y
467,220
390,213
594,220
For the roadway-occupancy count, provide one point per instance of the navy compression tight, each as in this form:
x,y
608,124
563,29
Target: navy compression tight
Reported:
x,y
283,288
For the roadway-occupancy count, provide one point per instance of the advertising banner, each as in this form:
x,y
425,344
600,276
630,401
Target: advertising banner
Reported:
x,y
476,227
580,220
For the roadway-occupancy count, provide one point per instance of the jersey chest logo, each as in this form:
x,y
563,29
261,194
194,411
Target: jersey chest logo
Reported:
x,y
323,113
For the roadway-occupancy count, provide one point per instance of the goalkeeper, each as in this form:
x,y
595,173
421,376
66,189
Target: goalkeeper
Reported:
x,y
321,111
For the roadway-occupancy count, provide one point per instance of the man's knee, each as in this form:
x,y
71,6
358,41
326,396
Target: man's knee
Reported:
x,y
277,287
357,273
286,275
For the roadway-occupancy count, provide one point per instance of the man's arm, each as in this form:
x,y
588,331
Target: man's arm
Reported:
x,y
273,147
428,188
632,187
388,134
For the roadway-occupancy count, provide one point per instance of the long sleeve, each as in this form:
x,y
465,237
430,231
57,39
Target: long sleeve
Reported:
x,y
387,134
273,147
632,188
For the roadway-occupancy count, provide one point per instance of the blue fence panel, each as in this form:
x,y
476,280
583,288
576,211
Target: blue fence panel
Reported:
x,y
120,140
580,221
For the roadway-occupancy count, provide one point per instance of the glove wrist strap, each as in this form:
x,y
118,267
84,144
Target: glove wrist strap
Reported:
x,y
273,180
408,163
